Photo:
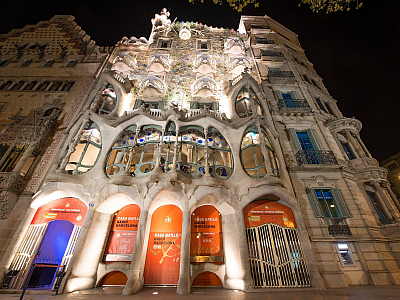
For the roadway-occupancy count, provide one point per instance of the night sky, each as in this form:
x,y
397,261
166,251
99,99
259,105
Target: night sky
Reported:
x,y
356,52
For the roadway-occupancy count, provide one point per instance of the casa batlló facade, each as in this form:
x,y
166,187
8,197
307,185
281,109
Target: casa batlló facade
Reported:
x,y
207,156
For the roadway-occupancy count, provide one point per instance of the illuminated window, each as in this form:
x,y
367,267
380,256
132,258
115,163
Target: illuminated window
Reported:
x,y
345,255
191,160
118,157
107,101
251,153
220,156
328,203
145,153
86,151
246,102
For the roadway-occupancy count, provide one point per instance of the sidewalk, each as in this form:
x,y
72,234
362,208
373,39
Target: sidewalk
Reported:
x,y
166,293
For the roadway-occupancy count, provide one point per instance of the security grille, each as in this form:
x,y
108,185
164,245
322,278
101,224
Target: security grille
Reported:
x,y
276,257
25,255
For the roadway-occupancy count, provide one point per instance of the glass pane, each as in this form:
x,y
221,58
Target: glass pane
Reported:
x,y
150,153
76,155
248,158
90,156
27,166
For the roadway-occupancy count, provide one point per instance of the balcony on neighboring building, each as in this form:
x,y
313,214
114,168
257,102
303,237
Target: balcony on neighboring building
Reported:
x,y
278,76
315,157
293,105
269,55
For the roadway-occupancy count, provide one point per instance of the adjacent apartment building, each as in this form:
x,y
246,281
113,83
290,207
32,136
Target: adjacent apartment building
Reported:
x,y
198,156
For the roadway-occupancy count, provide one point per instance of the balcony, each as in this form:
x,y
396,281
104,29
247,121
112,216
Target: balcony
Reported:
x,y
269,55
293,105
275,76
315,157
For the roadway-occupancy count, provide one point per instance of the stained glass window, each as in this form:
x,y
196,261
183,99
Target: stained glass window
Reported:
x,y
145,153
252,155
245,101
220,156
86,151
119,155
191,161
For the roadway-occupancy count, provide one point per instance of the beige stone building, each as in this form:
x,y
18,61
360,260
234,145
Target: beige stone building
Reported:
x,y
392,164
205,156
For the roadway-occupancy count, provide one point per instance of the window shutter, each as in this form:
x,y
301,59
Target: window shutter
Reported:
x,y
314,139
193,104
341,203
216,105
161,104
314,203
293,136
293,94
138,103
279,94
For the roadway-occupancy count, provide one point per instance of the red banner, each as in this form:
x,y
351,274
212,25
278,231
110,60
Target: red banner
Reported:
x,y
164,247
68,209
206,235
123,232
260,212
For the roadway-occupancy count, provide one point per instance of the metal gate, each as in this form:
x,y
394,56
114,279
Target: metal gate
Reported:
x,y
276,257
26,253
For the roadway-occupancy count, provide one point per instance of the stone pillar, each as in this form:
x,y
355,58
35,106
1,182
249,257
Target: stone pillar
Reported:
x,y
363,145
135,276
176,146
386,202
264,150
83,269
184,282
392,195
357,149
206,152
237,265
380,200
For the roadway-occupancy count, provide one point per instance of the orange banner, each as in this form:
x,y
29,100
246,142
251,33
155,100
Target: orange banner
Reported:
x,y
206,235
164,247
260,212
67,209
123,232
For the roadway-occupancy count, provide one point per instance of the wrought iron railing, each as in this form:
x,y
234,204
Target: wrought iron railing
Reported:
x,y
265,42
275,73
293,103
271,53
304,157
338,226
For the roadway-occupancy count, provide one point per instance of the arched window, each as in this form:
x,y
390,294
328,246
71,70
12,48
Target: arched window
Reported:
x,y
167,155
191,160
252,156
107,101
246,102
220,156
119,155
145,153
86,151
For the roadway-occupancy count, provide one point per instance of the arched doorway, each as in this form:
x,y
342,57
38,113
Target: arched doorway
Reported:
x,y
122,237
48,244
206,236
114,278
206,279
275,254
164,247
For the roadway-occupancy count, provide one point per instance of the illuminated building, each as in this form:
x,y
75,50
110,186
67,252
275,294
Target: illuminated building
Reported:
x,y
208,156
